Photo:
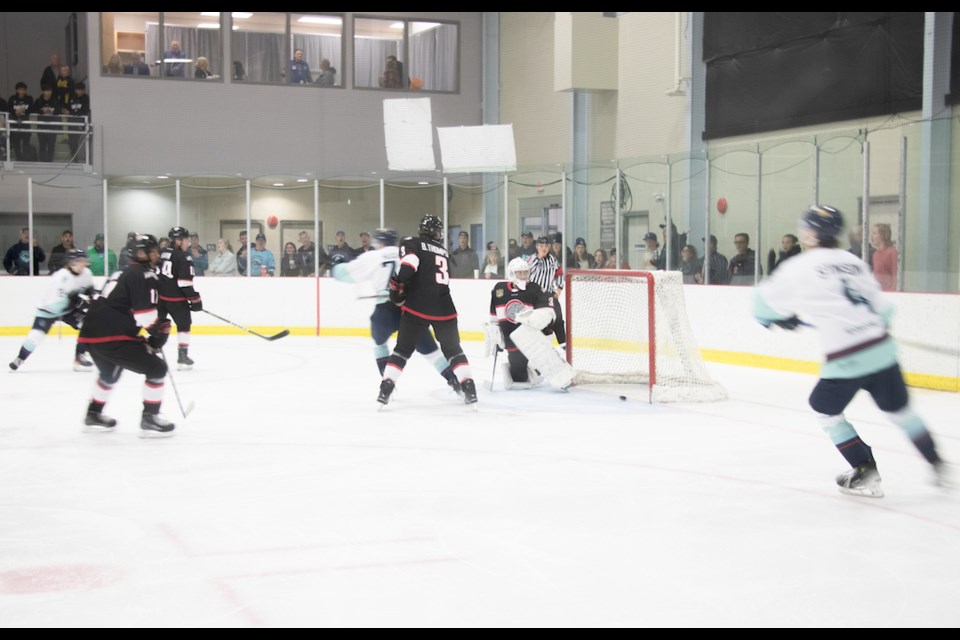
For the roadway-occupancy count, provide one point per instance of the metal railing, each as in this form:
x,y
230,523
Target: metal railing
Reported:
x,y
61,139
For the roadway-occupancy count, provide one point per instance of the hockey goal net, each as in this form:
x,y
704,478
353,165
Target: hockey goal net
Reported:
x,y
631,327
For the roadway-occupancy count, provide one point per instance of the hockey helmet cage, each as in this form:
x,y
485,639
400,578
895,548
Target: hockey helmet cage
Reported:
x,y
825,221
515,268
178,233
385,237
431,227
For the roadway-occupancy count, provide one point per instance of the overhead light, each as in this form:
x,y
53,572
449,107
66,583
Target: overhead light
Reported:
x,y
208,25
278,184
423,182
396,25
301,180
210,14
239,15
163,177
320,20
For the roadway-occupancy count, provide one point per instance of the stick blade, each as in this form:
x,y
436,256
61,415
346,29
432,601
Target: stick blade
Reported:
x,y
190,407
282,334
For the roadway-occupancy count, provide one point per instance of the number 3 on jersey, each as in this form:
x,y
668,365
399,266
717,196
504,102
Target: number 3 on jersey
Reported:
x,y
443,274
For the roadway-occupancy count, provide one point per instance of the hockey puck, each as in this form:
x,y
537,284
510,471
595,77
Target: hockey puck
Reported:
x,y
623,397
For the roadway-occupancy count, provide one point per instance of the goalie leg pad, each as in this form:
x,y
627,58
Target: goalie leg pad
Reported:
x,y
542,356
508,382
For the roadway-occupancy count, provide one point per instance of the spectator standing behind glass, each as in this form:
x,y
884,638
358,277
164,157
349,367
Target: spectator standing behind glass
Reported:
x,y
718,268
582,259
78,109
364,244
20,107
199,255
201,70
114,66
341,252
464,261
527,247
100,255
129,252
290,262
299,69
789,247
390,79
137,66
328,74
51,73
48,112
174,69
742,265
885,256
224,263
305,253
58,254
262,262
689,264
599,259
491,265
238,72
17,259
651,255
242,248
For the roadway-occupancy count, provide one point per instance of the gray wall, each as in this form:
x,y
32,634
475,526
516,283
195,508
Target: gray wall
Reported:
x,y
26,41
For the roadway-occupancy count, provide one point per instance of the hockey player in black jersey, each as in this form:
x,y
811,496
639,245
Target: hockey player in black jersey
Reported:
x,y
177,295
111,331
422,286
521,318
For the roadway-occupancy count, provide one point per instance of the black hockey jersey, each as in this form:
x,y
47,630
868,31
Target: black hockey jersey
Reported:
x,y
127,302
425,270
176,275
507,300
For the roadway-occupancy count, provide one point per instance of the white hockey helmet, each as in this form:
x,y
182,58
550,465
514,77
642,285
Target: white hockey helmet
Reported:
x,y
518,272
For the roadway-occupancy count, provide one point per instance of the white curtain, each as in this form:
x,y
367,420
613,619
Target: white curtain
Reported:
x,y
433,58
262,55
370,58
193,42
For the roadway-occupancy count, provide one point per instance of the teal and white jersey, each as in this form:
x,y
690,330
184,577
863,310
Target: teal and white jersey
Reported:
x,y
64,284
834,291
371,270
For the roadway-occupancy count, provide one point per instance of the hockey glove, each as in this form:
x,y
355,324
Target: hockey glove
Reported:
x,y
492,339
77,312
788,324
398,292
159,333
196,304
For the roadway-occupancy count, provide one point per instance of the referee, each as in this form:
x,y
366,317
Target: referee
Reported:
x,y
546,272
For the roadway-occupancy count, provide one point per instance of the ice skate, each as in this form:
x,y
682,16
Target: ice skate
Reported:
x,y
184,363
82,363
97,422
469,391
943,475
153,426
455,385
386,389
15,364
863,480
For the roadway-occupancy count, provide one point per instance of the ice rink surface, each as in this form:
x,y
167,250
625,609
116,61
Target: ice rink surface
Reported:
x,y
286,499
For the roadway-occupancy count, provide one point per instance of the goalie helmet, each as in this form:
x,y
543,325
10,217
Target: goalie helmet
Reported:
x,y
431,227
385,237
518,272
178,233
822,220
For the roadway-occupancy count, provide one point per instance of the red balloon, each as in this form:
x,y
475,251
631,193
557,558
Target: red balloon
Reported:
x,y
272,222
722,205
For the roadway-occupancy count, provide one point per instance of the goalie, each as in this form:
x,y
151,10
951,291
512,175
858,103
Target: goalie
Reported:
x,y
521,318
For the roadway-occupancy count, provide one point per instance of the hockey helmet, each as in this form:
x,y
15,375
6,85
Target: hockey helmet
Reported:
x,y
146,243
178,233
76,254
822,220
385,237
543,240
431,227
518,272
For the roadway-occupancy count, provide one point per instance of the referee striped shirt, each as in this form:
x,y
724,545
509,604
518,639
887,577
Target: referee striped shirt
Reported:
x,y
546,272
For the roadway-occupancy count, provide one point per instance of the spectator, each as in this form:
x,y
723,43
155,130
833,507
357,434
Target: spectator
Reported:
x,y
789,247
464,261
689,264
557,247
199,254
885,256
224,263
856,245
174,61
163,243
58,255
242,247
78,109
137,66
114,66
290,262
599,259
677,240
492,265
103,261
201,69
582,259
612,260
400,72
129,251
364,243
20,106
513,250
51,73
238,72
651,255
262,262
299,69
390,78
63,90
743,263
527,247
328,74
17,259
341,252
48,111
305,253
718,268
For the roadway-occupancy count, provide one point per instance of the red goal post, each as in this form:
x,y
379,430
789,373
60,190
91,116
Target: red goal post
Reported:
x,y
631,327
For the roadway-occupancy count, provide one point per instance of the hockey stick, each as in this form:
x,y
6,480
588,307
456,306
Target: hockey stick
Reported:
x,y
185,411
277,336
494,374
947,351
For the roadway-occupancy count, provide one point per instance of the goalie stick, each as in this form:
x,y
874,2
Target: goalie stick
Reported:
x,y
276,336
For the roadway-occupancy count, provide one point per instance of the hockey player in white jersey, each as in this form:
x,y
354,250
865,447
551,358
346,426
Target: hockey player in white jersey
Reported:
x,y
373,270
835,292
66,299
